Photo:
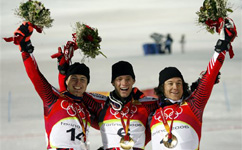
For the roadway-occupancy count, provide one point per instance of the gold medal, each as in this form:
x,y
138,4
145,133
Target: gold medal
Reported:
x,y
126,145
126,142
170,140
170,143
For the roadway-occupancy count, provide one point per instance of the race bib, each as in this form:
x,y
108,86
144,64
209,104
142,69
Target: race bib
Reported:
x,y
186,136
68,133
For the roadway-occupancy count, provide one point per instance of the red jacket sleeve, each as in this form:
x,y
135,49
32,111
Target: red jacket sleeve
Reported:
x,y
47,93
62,85
200,96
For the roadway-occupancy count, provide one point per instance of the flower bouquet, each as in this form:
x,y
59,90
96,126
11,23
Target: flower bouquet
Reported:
x,y
35,13
212,13
88,40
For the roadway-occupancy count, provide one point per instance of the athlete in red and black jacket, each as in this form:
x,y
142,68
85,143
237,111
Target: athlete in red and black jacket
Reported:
x,y
124,115
178,122
67,120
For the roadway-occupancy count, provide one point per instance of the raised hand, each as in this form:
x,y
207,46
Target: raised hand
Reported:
x,y
64,58
227,34
22,37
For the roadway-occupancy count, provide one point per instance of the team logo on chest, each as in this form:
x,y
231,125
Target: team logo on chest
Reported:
x,y
168,113
73,108
124,112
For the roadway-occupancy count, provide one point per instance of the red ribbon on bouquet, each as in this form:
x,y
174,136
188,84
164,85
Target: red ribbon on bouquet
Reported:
x,y
74,37
218,24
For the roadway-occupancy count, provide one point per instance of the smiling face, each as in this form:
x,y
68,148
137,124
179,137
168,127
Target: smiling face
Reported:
x,y
77,84
123,85
173,88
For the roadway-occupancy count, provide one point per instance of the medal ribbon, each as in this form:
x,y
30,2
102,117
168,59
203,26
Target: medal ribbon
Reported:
x,y
167,127
126,127
84,127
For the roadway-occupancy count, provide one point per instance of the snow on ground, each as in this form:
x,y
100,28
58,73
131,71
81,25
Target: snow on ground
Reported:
x,y
124,27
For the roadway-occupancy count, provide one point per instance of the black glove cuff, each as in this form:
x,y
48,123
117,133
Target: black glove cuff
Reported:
x,y
63,68
222,45
26,46
217,78
194,85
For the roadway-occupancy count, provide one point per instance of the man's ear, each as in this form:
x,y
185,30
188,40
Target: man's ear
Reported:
x,y
67,80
